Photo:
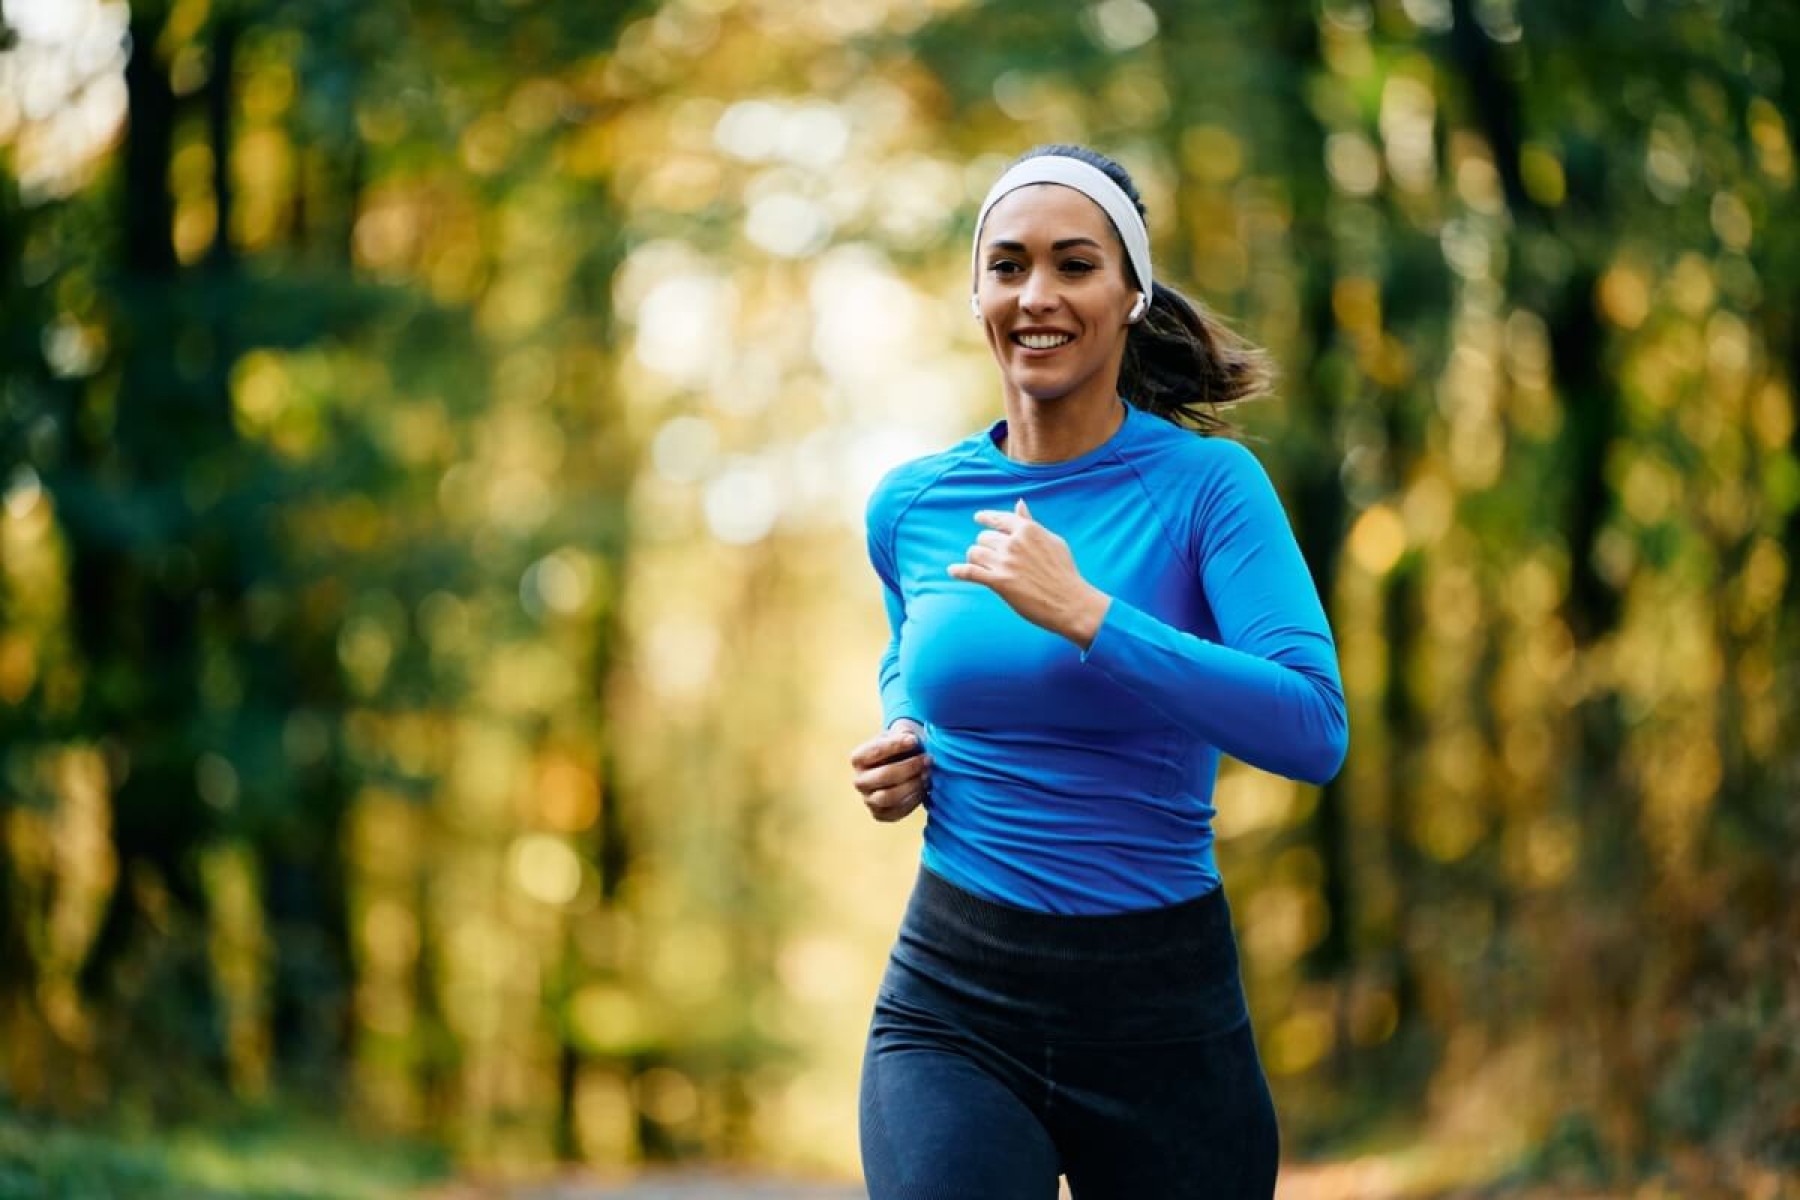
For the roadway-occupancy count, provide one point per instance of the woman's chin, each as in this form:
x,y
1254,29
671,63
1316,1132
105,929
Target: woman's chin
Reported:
x,y
1041,387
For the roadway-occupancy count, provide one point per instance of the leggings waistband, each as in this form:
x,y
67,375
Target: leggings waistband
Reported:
x,y
1162,972
958,915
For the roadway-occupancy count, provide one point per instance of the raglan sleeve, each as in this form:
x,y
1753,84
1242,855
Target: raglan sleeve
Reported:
x,y
1268,692
880,523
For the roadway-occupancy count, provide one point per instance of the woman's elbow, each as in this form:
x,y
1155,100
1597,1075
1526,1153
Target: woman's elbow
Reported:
x,y
1326,745
1328,758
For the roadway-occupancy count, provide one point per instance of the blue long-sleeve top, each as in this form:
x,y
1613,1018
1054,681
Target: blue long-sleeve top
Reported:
x,y
1081,782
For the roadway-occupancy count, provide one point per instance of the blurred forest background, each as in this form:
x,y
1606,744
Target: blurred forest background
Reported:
x,y
434,616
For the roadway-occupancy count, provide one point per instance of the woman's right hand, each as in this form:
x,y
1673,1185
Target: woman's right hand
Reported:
x,y
893,772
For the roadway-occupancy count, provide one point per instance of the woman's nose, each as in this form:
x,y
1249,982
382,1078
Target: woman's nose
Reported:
x,y
1039,292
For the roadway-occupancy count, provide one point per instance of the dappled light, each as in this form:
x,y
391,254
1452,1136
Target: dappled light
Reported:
x,y
435,613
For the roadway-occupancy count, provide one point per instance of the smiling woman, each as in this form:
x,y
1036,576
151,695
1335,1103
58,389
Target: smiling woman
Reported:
x,y
1053,307
1176,359
1064,994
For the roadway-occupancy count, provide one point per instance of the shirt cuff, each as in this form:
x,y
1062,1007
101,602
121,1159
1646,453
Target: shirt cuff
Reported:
x,y
1121,621
902,712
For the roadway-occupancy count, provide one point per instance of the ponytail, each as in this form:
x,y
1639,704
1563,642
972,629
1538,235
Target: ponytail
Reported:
x,y
1184,364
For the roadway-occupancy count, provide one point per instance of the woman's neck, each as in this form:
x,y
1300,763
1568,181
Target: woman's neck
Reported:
x,y
1049,431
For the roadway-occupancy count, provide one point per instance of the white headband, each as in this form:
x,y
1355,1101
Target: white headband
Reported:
x,y
1091,182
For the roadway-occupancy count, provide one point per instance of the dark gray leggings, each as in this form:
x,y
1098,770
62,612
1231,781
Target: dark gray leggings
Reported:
x,y
1008,1047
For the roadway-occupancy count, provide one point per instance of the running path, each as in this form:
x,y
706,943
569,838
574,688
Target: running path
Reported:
x,y
1297,1183
1366,1179
684,1186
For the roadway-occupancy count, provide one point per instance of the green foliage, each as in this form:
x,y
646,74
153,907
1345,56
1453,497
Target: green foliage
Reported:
x,y
263,1158
383,711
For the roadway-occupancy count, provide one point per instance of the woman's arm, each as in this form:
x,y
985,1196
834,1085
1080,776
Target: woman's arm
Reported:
x,y
1268,691
895,704
892,771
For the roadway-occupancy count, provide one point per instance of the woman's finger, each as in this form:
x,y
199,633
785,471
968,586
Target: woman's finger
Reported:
x,y
890,797
992,538
1004,521
983,556
893,805
903,773
893,770
884,747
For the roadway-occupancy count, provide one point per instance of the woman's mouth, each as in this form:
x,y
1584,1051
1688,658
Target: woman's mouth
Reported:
x,y
1042,342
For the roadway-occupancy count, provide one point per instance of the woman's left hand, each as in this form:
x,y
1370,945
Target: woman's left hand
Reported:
x,y
1031,569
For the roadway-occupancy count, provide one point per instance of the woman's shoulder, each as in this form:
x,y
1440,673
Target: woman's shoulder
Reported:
x,y
1196,460
901,484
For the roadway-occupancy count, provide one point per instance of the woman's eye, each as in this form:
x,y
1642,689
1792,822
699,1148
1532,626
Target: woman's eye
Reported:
x,y
1005,266
1078,266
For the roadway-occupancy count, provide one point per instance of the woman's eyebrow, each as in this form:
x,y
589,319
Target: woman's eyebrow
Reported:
x,y
1064,244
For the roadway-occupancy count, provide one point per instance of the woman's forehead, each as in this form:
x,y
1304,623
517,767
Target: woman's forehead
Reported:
x,y
1046,212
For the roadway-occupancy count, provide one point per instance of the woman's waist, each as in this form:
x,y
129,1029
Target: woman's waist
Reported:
x,y
1074,783
1140,973
1058,829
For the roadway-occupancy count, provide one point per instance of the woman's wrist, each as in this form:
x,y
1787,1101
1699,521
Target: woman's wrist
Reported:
x,y
1085,617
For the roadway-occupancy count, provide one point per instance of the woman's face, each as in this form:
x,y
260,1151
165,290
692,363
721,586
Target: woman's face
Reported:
x,y
1054,290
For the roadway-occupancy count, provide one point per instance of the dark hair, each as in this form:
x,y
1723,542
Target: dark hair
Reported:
x,y
1181,362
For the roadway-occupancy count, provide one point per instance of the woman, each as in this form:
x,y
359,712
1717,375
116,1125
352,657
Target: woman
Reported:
x,y
1064,995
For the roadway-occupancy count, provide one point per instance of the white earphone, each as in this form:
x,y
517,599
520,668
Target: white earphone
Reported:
x,y
975,305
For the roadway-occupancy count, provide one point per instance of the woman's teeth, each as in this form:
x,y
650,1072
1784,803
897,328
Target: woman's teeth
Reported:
x,y
1043,341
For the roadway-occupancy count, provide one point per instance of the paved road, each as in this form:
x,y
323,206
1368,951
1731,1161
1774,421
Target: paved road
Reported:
x,y
1364,1179
1340,1181
685,1186
706,1188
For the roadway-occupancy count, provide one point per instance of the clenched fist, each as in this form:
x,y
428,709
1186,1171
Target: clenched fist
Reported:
x,y
893,772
